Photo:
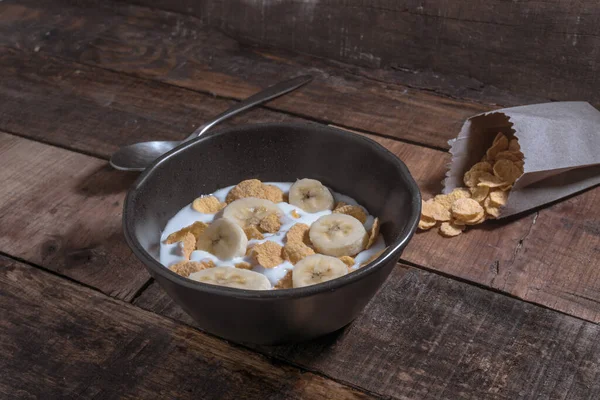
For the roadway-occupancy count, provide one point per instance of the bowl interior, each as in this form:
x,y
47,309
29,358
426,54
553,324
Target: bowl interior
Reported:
x,y
348,163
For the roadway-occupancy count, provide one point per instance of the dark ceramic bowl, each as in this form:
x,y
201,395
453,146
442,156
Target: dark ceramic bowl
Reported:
x,y
348,163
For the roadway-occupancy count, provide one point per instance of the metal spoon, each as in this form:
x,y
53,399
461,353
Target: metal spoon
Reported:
x,y
137,157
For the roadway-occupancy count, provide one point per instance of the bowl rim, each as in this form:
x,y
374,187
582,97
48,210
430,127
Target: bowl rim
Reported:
x,y
391,251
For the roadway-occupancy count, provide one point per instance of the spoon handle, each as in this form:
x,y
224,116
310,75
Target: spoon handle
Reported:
x,y
261,97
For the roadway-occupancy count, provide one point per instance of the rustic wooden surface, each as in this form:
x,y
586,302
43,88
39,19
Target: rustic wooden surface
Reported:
x,y
426,336
519,256
81,79
541,48
62,340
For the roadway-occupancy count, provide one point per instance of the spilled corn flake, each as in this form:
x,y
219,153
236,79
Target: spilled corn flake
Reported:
x,y
513,145
349,261
507,171
373,234
477,219
466,209
252,232
498,198
267,254
295,214
185,268
243,265
354,211
426,223
449,229
195,229
247,188
270,224
273,193
208,205
188,245
296,251
432,209
298,234
285,282
446,200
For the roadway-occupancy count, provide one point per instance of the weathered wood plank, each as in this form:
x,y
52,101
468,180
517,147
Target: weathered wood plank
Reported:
x,y
97,111
62,210
426,336
61,340
540,48
553,266
176,49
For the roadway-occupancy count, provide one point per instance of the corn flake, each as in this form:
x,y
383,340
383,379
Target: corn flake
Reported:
x,y
479,193
354,211
491,181
498,198
426,223
373,234
298,234
188,245
252,232
373,257
270,224
466,209
507,171
513,145
295,214
195,229
513,156
349,261
185,268
273,193
208,205
247,188
434,210
339,204
285,282
448,229
490,209
295,251
500,144
243,265
267,254
446,200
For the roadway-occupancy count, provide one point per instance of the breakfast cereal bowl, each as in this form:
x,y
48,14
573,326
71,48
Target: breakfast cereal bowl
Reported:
x,y
345,162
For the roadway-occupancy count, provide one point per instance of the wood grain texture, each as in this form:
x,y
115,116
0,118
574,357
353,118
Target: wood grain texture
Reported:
x,y
550,263
97,111
539,48
62,210
60,340
426,336
178,50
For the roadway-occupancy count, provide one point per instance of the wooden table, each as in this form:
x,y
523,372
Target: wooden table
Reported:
x,y
508,310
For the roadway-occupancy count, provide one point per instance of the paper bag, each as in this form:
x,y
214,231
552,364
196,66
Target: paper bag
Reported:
x,y
560,142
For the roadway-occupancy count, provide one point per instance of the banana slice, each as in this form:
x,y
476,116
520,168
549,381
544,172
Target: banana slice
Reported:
x,y
223,238
338,235
311,196
316,269
250,211
232,277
